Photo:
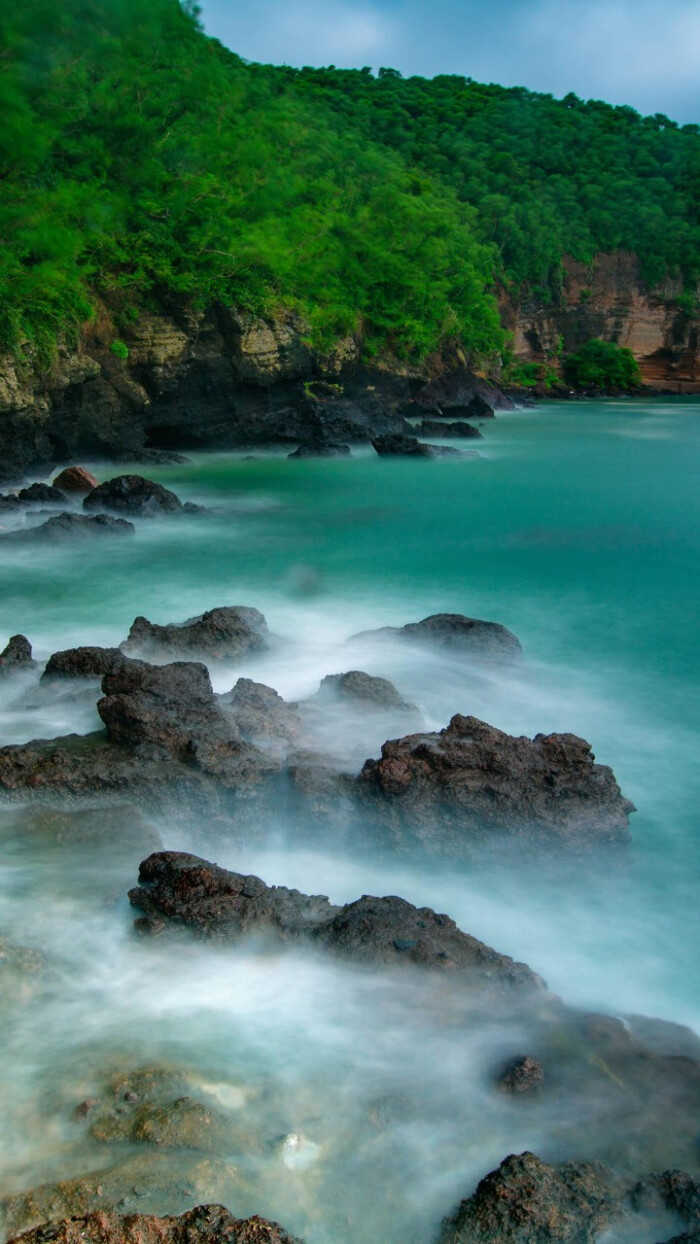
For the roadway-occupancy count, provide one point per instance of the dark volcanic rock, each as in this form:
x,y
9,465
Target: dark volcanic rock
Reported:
x,y
522,1075
219,634
526,1201
472,782
75,479
132,494
17,656
65,527
42,494
180,889
85,662
456,632
356,687
433,427
395,444
259,712
206,1224
168,706
675,1191
476,408
9,503
321,449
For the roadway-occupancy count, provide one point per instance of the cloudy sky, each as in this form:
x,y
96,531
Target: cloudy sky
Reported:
x,y
640,52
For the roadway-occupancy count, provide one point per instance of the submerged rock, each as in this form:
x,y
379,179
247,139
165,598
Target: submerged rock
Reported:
x,y
227,633
526,1201
75,479
396,444
180,889
522,1075
132,494
471,782
434,427
23,973
85,662
206,1224
476,408
455,632
356,687
67,527
321,449
17,656
260,713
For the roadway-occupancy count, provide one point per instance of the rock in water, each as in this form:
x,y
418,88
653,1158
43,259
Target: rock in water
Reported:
x,y
433,427
470,783
70,527
42,494
260,712
356,687
132,494
206,1224
522,1075
456,632
320,449
180,889
395,444
220,634
75,479
17,656
526,1201
86,662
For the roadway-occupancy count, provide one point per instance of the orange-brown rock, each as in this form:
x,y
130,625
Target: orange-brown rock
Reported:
x,y
75,479
206,1224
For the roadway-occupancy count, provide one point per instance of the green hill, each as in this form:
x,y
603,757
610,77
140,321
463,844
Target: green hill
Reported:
x,y
144,164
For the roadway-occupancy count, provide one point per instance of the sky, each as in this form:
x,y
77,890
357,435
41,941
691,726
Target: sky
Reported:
x,y
640,52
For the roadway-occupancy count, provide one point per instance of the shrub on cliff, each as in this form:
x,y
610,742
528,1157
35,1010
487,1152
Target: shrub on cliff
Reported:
x,y
602,365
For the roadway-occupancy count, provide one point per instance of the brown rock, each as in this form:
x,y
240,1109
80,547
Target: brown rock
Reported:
x,y
522,1075
206,1224
75,479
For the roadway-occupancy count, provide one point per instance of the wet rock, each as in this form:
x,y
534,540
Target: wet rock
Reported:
x,y
260,713
180,889
526,1201
471,782
206,1224
70,527
434,427
455,632
674,1191
169,706
476,408
9,503
522,1075
397,445
42,494
75,479
85,662
228,633
182,1123
17,656
120,828
321,449
132,494
356,687
22,973
191,508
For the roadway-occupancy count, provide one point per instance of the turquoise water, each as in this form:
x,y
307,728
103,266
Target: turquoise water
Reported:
x,y
579,529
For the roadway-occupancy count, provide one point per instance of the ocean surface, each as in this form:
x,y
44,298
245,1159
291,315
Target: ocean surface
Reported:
x,y
578,528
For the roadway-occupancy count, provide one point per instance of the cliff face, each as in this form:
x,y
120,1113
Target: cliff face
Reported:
x,y
610,299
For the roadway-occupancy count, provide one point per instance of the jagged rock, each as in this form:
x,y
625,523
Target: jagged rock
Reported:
x,y
433,427
75,479
456,632
132,494
675,1191
17,656
9,503
522,1075
206,1224
356,687
42,494
171,707
180,889
395,444
259,712
70,527
219,634
526,1201
471,782
320,449
85,662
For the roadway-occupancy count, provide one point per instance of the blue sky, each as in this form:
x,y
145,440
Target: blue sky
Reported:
x,y
640,52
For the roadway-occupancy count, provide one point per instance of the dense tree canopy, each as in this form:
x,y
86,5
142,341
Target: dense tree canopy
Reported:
x,y
143,162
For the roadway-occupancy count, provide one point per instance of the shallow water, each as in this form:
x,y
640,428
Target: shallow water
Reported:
x,y
578,529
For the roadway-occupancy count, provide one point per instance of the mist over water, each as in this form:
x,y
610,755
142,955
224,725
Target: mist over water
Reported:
x,y
578,529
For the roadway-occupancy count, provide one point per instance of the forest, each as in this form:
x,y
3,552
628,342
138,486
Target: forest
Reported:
x,y
144,164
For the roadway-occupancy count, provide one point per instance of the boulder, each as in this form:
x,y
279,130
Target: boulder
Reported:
x,y
132,494
70,527
223,634
434,427
85,662
321,449
527,1201
455,632
260,713
9,503
397,445
17,656
473,783
75,479
42,494
206,1224
476,408
171,707
522,1075
356,687
179,889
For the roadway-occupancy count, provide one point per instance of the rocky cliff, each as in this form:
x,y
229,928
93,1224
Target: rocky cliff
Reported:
x,y
610,299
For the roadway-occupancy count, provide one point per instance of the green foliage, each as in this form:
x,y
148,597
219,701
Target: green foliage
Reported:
x,y
602,365
120,348
529,375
